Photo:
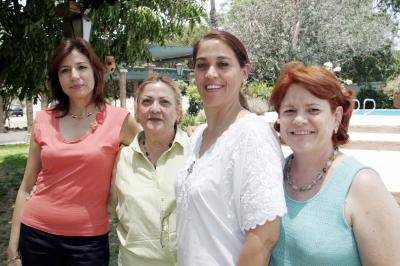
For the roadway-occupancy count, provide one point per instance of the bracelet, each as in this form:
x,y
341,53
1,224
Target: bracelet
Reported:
x,y
17,257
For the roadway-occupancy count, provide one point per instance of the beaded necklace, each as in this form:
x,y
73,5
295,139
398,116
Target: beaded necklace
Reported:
x,y
80,116
145,150
315,180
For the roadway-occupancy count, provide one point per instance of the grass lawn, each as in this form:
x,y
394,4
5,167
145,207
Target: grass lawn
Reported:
x,y
12,165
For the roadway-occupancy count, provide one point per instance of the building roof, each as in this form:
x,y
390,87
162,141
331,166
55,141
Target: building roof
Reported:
x,y
161,53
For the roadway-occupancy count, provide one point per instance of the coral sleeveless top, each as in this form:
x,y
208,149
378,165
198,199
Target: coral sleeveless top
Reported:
x,y
73,185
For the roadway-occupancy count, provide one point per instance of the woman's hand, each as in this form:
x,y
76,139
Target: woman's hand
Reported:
x,y
14,261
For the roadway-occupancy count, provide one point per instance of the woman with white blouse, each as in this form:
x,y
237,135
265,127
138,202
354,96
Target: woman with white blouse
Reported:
x,y
229,193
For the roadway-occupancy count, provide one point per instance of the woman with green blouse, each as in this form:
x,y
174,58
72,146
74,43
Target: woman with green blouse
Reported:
x,y
142,191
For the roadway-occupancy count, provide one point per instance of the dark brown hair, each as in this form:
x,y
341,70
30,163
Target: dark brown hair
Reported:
x,y
322,84
59,54
237,47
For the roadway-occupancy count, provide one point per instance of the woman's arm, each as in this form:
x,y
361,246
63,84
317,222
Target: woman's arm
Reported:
x,y
375,216
129,130
32,169
258,245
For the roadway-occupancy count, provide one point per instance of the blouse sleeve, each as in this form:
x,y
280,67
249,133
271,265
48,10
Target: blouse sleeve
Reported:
x,y
261,196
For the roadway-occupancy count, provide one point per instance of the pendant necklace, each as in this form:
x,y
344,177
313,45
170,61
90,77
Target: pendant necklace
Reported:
x,y
315,180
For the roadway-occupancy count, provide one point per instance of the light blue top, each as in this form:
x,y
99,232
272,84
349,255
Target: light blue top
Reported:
x,y
315,232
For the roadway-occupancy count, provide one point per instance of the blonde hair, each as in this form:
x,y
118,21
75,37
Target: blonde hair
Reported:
x,y
170,83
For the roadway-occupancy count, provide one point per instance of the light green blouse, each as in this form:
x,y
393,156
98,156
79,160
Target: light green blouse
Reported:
x,y
143,197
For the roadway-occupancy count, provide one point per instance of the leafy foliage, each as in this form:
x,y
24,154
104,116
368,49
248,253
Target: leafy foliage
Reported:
x,y
259,89
193,120
381,99
278,31
392,87
195,103
377,65
29,34
126,27
389,4
190,35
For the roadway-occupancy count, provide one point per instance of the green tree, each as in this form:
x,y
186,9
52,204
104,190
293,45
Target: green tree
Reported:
x,y
29,33
278,31
375,66
190,35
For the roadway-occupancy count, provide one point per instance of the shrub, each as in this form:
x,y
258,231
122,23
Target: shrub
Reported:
x,y
258,89
195,103
381,99
193,120
392,87
182,85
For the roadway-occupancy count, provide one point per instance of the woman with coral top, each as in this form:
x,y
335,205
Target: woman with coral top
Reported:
x,y
60,215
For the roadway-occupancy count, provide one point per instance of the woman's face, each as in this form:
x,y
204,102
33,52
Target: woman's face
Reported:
x,y
306,121
76,76
218,74
156,108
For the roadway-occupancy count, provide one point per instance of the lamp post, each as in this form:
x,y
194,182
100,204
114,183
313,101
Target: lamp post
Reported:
x,y
76,22
179,69
81,26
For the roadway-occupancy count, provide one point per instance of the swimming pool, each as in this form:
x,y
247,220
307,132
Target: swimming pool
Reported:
x,y
380,112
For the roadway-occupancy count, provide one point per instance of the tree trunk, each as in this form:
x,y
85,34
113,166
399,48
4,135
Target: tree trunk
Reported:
x,y
2,127
29,115
213,16
44,101
122,87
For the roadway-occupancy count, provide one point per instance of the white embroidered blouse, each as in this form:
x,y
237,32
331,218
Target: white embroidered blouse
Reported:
x,y
236,185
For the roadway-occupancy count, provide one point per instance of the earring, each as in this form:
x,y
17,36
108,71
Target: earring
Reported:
x,y
278,121
336,130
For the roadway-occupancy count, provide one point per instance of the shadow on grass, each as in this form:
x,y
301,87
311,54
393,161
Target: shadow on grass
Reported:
x,y
11,170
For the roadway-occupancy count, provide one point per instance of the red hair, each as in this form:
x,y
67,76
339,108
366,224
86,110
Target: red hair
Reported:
x,y
322,84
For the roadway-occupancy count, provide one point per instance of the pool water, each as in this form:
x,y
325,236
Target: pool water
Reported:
x,y
384,112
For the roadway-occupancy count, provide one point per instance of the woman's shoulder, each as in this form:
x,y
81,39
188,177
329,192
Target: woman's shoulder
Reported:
x,y
45,114
253,126
114,109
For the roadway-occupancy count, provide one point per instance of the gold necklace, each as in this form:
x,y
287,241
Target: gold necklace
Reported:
x,y
315,180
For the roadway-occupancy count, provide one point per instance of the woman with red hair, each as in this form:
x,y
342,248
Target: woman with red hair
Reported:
x,y
332,219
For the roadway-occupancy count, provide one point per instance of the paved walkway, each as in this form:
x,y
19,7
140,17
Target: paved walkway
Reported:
x,y
13,137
